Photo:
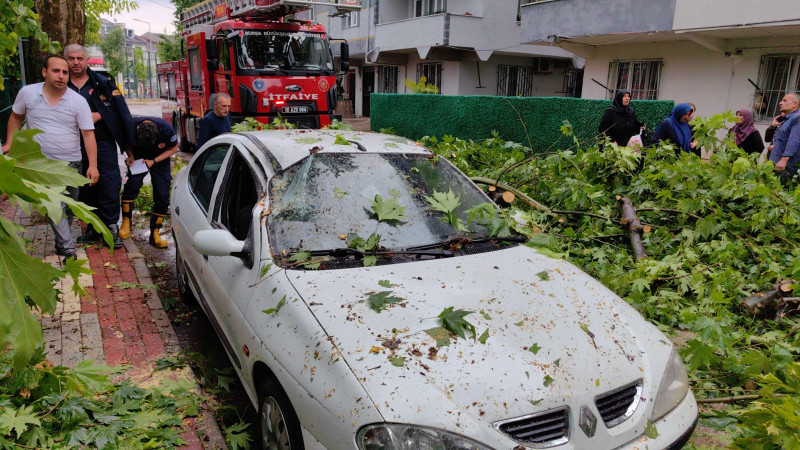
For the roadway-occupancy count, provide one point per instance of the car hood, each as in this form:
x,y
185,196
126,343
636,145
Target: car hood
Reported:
x,y
556,337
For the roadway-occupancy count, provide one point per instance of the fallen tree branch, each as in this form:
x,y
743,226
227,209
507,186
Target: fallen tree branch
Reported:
x,y
731,399
522,196
674,211
633,227
579,213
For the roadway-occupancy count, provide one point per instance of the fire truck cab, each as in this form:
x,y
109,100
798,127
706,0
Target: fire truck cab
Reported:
x,y
253,50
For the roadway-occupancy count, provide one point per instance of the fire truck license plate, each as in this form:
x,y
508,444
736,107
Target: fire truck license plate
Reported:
x,y
295,109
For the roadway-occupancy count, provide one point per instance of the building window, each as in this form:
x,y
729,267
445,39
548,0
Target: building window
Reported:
x,y
513,81
432,73
641,78
387,79
350,20
572,86
429,7
777,75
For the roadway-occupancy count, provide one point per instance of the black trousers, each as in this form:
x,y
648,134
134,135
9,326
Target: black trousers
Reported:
x,y
104,195
161,178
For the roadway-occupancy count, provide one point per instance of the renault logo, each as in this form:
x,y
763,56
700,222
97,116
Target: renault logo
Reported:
x,y
588,422
293,88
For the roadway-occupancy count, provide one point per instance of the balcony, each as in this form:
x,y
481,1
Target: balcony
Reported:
x,y
542,21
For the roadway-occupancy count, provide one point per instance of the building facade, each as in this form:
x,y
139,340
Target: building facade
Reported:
x,y
463,47
719,54
148,43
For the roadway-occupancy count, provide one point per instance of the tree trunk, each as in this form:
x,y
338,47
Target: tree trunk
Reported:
x,y
632,226
63,20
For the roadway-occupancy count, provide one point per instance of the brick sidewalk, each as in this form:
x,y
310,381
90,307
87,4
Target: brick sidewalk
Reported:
x,y
121,321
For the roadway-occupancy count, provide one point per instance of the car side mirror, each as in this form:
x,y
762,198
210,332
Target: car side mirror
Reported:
x,y
218,243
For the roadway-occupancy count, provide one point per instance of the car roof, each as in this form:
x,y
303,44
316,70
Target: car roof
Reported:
x,y
290,146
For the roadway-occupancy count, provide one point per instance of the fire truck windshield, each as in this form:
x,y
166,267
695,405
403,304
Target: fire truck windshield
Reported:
x,y
272,50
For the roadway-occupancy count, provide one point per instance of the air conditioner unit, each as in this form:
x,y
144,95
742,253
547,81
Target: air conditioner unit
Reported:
x,y
543,65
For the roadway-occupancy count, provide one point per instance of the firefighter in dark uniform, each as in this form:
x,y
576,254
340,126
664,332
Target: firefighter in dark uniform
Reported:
x,y
154,143
113,126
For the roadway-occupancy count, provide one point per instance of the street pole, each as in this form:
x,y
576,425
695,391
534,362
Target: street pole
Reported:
x,y
149,52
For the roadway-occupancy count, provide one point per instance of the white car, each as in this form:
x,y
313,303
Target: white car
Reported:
x,y
370,298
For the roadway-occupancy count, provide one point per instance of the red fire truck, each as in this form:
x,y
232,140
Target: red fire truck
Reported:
x,y
255,51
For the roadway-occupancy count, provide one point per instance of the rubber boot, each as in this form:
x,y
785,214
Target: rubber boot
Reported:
x,y
155,225
127,214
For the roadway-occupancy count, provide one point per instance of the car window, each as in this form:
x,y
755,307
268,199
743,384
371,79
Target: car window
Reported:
x,y
204,171
237,197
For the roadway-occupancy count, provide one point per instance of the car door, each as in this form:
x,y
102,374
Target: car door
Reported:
x,y
229,279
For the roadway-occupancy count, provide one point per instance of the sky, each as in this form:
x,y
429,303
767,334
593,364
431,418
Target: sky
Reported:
x,y
158,12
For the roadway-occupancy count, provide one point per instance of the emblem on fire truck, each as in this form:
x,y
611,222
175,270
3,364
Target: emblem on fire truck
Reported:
x,y
323,85
259,85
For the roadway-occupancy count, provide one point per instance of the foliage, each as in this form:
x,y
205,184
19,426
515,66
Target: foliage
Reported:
x,y
388,210
421,87
720,231
773,422
336,125
252,124
169,47
42,406
93,10
378,301
35,182
113,47
532,121
139,69
18,20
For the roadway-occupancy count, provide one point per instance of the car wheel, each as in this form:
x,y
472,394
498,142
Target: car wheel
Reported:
x,y
277,421
184,291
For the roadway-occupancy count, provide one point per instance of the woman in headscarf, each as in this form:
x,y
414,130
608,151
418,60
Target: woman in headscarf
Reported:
x,y
747,137
675,128
619,122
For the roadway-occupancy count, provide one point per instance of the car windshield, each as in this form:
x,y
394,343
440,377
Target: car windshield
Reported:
x,y
269,50
331,200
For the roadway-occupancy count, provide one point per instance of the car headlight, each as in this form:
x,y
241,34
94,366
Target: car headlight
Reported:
x,y
390,436
673,388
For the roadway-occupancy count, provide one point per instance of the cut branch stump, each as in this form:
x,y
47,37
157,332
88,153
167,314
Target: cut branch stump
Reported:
x,y
633,227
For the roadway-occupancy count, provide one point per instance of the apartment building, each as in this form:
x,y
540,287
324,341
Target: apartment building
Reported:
x,y
464,47
719,54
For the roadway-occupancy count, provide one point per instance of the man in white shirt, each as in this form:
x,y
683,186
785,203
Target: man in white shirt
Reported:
x,y
65,117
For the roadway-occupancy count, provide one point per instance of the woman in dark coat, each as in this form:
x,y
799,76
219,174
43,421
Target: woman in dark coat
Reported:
x,y
675,128
619,122
747,137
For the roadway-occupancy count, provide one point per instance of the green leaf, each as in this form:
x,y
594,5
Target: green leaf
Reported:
x,y
18,420
534,348
340,140
444,202
33,166
397,361
89,377
651,431
440,335
485,315
386,283
484,336
543,275
453,321
264,269
378,301
277,307
237,437
307,140
338,193
548,380
388,210
299,257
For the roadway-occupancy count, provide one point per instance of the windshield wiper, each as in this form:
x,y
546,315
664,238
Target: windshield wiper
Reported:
x,y
467,241
347,251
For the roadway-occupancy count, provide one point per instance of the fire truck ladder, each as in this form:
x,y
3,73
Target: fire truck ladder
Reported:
x,y
211,11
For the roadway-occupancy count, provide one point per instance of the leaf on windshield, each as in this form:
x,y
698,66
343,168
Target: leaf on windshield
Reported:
x,y
447,203
543,275
387,210
378,301
277,307
534,348
340,140
440,335
453,321
299,257
397,361
370,260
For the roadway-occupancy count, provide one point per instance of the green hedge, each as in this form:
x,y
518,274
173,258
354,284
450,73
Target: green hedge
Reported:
x,y
475,117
